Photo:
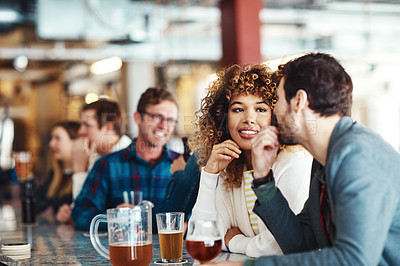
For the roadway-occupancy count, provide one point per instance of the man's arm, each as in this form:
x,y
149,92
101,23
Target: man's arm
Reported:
x,y
80,161
283,223
293,233
93,198
363,208
183,188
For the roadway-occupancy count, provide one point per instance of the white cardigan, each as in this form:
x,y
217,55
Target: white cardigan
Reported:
x,y
292,171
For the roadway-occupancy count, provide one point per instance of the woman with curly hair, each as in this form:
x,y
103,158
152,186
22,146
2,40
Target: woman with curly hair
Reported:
x,y
237,105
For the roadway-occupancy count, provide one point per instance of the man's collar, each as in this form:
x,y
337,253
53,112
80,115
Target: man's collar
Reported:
x,y
165,151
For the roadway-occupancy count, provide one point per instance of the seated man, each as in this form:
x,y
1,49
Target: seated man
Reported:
x,y
100,133
352,216
144,165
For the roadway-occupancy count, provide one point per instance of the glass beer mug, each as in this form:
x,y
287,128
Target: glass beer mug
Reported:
x,y
129,235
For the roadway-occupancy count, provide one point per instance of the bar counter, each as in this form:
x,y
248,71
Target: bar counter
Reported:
x,y
58,244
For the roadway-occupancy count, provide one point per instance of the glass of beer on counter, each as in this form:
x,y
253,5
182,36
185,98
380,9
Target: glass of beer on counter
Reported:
x,y
170,227
203,240
23,165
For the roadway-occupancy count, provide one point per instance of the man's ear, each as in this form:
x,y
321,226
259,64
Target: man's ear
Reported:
x,y
109,126
137,117
299,101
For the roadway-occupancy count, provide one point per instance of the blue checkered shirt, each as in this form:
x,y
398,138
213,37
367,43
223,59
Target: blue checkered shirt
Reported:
x,y
117,172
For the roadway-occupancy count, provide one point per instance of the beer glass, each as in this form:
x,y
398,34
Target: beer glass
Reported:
x,y
170,233
203,240
129,235
23,167
22,161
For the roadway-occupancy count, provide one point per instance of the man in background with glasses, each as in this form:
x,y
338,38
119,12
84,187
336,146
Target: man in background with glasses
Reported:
x,y
352,216
142,166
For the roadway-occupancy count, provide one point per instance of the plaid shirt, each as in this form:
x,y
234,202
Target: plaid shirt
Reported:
x,y
117,172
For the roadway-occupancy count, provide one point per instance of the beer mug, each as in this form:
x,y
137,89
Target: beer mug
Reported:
x,y
129,235
170,234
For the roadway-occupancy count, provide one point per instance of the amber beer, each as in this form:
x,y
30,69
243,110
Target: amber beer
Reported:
x,y
23,165
204,251
171,245
124,254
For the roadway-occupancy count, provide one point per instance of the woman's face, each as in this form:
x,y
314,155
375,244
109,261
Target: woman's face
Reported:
x,y
247,114
60,144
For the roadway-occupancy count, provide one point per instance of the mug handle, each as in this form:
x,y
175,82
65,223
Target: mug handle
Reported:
x,y
94,236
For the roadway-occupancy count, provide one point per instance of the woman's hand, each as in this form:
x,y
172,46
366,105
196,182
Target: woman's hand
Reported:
x,y
64,213
221,156
264,147
81,153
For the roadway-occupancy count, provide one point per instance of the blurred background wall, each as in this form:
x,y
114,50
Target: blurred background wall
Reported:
x,y
48,49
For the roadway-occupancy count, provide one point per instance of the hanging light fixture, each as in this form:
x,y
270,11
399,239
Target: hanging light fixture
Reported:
x,y
106,65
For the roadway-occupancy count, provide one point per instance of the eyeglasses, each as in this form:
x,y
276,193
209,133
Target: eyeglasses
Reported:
x,y
157,118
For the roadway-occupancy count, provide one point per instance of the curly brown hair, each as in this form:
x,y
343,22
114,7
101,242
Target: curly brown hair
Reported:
x,y
211,120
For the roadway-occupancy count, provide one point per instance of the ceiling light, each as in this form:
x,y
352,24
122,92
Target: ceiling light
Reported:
x,y
8,16
91,97
20,63
106,65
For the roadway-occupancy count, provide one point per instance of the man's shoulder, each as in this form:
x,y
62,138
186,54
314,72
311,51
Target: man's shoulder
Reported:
x,y
173,154
119,156
360,150
123,142
360,139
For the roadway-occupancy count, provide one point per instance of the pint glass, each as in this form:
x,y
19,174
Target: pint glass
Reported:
x,y
170,233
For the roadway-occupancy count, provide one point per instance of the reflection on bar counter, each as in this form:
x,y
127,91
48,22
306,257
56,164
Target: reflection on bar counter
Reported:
x,y
8,218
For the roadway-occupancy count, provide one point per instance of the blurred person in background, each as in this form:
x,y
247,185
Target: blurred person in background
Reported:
x,y
238,105
8,175
142,166
56,190
100,133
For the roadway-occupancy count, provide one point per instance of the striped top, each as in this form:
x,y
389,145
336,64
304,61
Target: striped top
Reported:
x,y
250,200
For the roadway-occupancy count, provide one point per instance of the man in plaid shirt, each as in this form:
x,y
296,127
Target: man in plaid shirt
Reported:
x,y
144,165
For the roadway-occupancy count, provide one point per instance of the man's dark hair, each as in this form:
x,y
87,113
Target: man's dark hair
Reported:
x,y
154,96
106,111
329,88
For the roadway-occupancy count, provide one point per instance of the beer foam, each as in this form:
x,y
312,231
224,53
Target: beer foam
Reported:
x,y
202,238
166,231
134,243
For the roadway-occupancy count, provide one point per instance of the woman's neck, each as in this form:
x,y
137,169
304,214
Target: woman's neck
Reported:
x,y
67,165
247,155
